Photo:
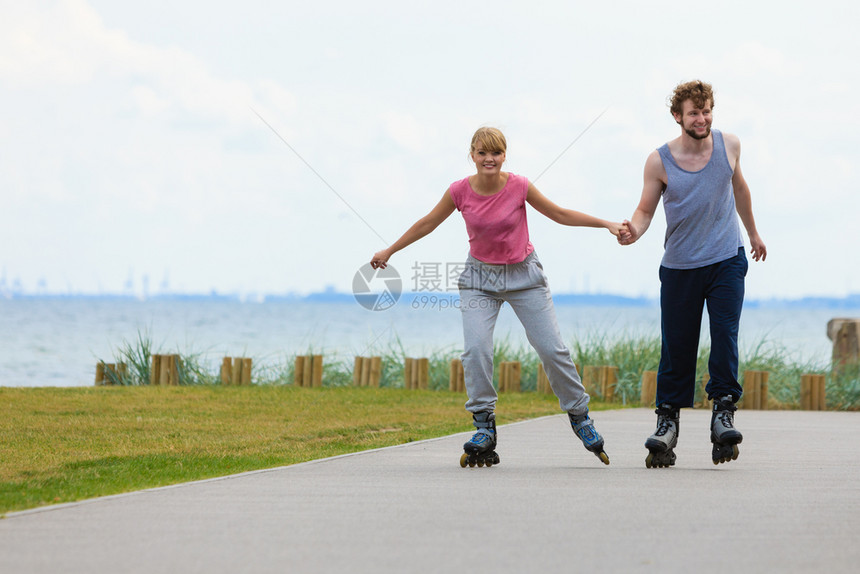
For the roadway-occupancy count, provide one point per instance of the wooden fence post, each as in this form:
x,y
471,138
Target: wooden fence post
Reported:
x,y
813,392
590,379
299,371
317,373
648,392
365,372
155,370
308,371
375,371
755,390
600,381
100,374
408,367
608,382
423,374
543,385
510,375
456,379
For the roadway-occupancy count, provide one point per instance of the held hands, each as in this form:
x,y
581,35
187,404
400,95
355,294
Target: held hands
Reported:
x,y
619,230
628,234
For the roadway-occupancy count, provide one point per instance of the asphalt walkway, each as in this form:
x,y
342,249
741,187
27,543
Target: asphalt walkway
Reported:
x,y
790,503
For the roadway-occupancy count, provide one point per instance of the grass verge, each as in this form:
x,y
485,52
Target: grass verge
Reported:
x,y
66,444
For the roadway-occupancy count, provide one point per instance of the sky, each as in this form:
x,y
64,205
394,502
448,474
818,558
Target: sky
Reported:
x,y
264,147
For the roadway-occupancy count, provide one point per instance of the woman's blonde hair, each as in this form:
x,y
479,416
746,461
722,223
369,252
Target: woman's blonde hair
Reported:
x,y
491,139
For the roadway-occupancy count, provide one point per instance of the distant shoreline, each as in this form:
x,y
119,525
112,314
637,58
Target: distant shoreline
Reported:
x,y
331,296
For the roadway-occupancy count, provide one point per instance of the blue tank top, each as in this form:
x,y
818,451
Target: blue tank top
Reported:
x,y
701,219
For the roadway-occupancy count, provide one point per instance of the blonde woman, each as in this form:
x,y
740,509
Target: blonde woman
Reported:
x,y
503,267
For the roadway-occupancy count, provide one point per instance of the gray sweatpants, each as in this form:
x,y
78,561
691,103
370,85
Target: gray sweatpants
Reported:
x,y
484,288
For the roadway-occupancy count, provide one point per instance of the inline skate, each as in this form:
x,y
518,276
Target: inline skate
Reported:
x,y
724,435
480,449
583,426
661,445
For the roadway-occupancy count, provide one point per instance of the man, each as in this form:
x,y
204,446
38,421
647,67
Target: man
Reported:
x,y
698,175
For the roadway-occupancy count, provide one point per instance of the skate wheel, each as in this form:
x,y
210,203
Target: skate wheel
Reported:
x,y
604,458
471,463
735,452
649,460
464,460
480,464
496,459
489,463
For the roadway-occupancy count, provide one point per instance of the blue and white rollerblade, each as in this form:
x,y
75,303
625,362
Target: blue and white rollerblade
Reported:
x,y
583,426
480,449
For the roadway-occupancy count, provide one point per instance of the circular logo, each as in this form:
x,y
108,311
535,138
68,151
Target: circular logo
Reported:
x,y
376,289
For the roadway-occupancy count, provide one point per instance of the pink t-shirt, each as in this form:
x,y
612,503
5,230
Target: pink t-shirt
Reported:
x,y
496,224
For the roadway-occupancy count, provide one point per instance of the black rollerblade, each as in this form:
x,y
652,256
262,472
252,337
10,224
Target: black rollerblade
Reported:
x,y
661,445
724,435
583,426
480,450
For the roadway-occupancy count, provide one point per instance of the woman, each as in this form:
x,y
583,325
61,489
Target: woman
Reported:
x,y
502,267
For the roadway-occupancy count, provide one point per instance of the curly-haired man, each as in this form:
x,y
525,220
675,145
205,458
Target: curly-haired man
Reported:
x,y
698,176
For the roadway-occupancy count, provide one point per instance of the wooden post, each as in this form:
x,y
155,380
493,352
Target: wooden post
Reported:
x,y
543,385
845,334
110,374
164,371
155,370
173,372
100,374
822,392
247,365
608,381
317,372
298,371
236,374
806,392
375,371
752,390
356,371
763,390
590,379
511,373
648,393
307,371
456,377
365,372
813,392
600,381
422,368
226,370
408,367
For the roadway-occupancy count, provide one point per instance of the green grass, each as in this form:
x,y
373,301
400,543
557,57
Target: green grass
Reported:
x,y
66,444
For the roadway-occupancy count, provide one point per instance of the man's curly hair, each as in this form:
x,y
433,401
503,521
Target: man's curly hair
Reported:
x,y
697,91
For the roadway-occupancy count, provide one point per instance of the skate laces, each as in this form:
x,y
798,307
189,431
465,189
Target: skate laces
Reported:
x,y
725,418
662,425
481,437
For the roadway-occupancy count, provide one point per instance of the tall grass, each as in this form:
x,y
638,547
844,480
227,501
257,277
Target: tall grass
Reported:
x,y
632,354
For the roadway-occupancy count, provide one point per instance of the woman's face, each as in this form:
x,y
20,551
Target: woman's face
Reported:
x,y
487,162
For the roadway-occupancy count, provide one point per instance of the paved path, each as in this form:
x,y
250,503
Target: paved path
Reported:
x,y
790,503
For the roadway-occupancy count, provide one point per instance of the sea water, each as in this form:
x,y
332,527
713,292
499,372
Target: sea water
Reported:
x,y
58,341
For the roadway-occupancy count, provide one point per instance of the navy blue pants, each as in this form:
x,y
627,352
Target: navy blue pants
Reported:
x,y
683,296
